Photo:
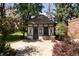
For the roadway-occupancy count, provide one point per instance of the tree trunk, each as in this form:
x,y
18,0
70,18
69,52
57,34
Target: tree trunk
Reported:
x,y
3,41
2,10
23,34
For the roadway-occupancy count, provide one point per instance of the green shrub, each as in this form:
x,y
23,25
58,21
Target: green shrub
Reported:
x,y
6,28
6,50
61,30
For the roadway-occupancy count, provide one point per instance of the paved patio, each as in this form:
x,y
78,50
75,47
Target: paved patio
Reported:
x,y
38,48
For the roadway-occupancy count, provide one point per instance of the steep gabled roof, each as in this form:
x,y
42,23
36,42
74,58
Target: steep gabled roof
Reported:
x,y
40,19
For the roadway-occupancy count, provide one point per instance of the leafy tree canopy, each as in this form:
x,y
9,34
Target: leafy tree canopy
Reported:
x,y
26,10
66,11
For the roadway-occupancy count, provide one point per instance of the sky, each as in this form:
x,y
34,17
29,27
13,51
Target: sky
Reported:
x,y
45,9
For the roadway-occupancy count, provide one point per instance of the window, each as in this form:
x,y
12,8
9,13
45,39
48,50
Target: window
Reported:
x,y
30,30
40,31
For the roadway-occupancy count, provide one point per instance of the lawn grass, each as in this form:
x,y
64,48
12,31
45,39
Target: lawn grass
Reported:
x,y
14,37
18,33
0,34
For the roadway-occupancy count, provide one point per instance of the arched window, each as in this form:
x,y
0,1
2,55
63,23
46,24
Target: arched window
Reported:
x,y
30,30
40,31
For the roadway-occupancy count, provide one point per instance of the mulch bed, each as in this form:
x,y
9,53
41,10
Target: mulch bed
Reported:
x,y
62,48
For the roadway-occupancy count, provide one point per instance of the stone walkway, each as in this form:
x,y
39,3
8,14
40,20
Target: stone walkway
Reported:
x,y
37,48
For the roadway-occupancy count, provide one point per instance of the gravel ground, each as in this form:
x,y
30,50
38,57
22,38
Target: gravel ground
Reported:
x,y
37,48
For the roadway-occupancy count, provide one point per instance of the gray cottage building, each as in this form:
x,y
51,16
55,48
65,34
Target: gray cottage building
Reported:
x,y
40,27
